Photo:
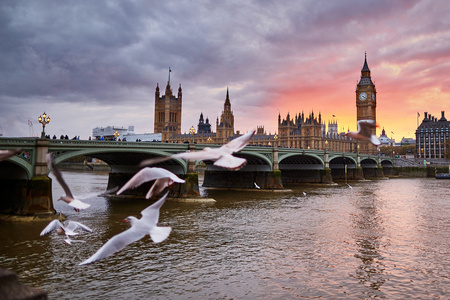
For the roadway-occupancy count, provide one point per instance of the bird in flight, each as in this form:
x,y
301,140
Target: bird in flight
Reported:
x,y
68,228
5,154
163,178
139,229
68,197
222,157
364,132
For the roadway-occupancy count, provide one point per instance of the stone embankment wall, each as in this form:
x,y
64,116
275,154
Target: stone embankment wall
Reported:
x,y
415,167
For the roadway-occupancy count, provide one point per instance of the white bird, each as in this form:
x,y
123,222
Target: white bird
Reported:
x,y
222,156
139,229
68,198
163,178
5,154
68,229
304,194
364,132
256,186
349,186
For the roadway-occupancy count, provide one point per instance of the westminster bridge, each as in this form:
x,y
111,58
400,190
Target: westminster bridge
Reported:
x,y
27,188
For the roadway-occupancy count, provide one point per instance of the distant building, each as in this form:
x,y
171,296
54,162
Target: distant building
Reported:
x,y
384,139
432,137
203,127
308,132
111,133
407,141
168,112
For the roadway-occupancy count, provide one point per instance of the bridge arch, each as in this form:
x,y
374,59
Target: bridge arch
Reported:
x,y
301,161
339,162
16,168
386,163
124,160
369,162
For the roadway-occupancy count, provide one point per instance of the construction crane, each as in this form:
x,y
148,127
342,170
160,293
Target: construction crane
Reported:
x,y
31,128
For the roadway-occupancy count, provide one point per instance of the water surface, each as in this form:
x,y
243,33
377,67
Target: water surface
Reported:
x,y
380,239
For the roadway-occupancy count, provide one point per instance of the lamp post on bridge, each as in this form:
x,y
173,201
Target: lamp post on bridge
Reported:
x,y
192,133
116,135
44,119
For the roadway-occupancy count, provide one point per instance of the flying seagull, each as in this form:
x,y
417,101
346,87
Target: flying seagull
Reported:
x,y
139,229
256,186
364,132
222,157
68,197
68,228
163,178
5,154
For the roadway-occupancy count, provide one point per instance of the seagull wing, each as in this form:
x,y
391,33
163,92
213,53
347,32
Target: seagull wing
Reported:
x,y
78,204
159,185
148,174
206,154
150,215
52,226
116,243
374,140
72,225
230,162
153,161
58,175
5,154
159,234
365,127
239,143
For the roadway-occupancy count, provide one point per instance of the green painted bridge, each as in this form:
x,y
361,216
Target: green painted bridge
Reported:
x,y
25,175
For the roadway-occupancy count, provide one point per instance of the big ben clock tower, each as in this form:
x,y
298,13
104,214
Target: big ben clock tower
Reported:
x,y
366,104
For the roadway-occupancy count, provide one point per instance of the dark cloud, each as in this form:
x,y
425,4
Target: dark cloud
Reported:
x,y
91,63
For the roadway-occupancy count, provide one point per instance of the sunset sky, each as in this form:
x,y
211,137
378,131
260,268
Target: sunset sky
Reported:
x,y
97,63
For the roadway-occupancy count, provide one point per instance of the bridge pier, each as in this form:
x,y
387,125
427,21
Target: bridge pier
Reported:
x,y
373,173
28,196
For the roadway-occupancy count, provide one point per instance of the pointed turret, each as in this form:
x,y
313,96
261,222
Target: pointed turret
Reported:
x,y
365,74
366,66
157,90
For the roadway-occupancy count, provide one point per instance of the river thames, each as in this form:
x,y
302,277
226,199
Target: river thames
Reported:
x,y
380,239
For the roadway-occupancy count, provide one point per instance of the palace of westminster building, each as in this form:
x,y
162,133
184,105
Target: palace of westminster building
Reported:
x,y
301,131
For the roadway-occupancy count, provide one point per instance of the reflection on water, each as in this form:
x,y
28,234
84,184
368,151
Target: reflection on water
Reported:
x,y
381,239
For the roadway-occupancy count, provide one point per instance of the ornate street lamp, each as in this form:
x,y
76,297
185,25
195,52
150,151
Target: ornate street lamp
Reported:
x,y
116,135
209,139
326,145
44,119
276,139
192,132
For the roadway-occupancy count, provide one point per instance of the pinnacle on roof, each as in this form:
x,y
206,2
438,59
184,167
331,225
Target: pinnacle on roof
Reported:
x,y
365,67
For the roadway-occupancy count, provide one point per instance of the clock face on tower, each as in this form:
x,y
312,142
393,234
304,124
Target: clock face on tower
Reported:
x,y
362,96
